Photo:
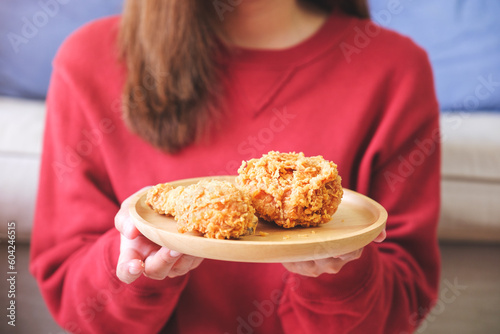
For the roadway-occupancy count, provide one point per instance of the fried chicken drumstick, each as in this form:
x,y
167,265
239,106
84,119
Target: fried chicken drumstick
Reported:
x,y
290,189
217,209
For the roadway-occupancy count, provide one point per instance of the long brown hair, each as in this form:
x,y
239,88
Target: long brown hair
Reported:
x,y
172,94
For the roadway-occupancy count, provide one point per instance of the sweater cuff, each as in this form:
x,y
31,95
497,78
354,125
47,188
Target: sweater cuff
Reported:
x,y
354,277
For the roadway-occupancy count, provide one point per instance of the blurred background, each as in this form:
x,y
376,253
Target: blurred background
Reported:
x,y
462,39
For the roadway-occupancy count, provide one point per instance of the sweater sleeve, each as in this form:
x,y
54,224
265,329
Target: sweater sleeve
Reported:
x,y
75,246
394,284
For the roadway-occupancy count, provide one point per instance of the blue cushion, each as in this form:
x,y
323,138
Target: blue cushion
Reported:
x,y
462,38
31,32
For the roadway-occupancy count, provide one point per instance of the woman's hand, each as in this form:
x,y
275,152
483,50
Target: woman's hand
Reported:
x,y
139,255
331,265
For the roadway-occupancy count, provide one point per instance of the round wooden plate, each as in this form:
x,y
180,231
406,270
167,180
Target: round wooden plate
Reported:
x,y
356,223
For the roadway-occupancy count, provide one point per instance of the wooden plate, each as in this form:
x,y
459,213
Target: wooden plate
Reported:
x,y
356,223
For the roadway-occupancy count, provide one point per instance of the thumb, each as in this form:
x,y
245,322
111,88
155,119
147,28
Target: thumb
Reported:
x,y
129,271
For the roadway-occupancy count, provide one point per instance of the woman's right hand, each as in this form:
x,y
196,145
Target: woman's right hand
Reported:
x,y
139,255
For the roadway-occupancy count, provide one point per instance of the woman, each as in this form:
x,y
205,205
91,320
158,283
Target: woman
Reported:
x,y
196,87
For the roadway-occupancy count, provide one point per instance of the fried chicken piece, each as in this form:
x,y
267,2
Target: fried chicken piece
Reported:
x,y
217,209
290,189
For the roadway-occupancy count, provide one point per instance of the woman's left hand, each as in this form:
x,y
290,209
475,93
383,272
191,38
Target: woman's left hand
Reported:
x,y
331,265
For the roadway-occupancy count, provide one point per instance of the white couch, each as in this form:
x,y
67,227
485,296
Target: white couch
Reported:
x,y
470,208
470,170
21,132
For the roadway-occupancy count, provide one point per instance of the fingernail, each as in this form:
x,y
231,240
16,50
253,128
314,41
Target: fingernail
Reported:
x,y
174,253
134,270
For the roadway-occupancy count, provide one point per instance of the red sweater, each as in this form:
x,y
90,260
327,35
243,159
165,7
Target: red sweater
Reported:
x,y
359,95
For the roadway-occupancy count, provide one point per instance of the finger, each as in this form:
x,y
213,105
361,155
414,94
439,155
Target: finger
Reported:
x,y
291,267
130,265
124,224
304,268
141,247
184,264
169,263
325,266
381,237
129,271
159,264
330,265
334,267
123,221
351,256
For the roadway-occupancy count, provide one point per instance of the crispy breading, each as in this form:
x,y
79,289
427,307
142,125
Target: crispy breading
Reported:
x,y
291,189
217,209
